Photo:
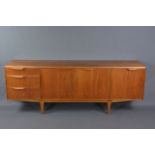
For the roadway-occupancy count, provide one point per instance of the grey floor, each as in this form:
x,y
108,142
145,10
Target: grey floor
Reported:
x,y
17,115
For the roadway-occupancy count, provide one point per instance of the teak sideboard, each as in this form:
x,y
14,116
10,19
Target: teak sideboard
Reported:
x,y
104,81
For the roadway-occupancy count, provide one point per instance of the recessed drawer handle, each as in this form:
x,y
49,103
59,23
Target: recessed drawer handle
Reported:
x,y
87,69
20,68
18,88
17,76
132,69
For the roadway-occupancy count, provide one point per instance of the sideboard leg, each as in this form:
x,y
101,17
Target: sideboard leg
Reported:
x,y
42,106
109,106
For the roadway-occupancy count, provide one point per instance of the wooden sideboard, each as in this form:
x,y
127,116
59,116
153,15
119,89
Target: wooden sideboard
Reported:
x,y
104,81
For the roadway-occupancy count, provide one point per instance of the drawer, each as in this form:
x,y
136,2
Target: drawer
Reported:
x,y
16,92
22,71
16,80
30,81
20,93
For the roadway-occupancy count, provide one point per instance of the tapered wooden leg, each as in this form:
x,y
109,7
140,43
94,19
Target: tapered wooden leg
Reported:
x,y
42,106
109,106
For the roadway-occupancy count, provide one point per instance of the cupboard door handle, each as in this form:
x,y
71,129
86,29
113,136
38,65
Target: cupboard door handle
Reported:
x,y
132,69
87,69
18,88
17,76
19,69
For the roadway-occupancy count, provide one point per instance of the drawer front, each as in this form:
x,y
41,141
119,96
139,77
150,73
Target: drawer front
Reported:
x,y
23,81
14,93
23,93
22,71
16,80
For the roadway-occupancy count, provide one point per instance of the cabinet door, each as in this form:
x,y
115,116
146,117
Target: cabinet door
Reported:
x,y
127,83
92,83
57,83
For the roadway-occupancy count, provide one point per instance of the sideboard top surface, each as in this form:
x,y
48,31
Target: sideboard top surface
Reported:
x,y
76,63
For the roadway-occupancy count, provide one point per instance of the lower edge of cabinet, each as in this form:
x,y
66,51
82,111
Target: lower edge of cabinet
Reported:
x,y
108,102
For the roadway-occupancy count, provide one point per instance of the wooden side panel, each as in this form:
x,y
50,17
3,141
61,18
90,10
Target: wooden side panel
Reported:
x,y
127,83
